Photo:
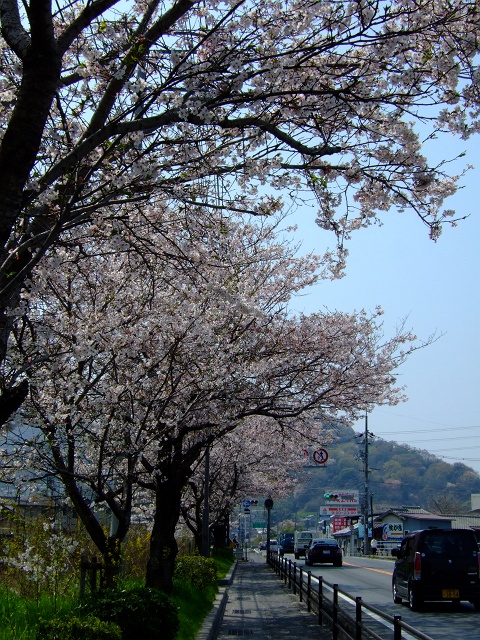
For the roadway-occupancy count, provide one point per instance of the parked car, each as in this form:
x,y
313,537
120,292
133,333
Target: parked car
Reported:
x,y
262,545
286,544
437,564
322,551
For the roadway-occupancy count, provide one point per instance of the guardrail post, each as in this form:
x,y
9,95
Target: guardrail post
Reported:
x,y
309,591
284,565
397,628
335,612
320,600
358,618
301,584
294,578
289,573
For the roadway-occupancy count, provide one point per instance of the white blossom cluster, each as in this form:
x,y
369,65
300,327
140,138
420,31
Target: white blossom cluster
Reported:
x,y
144,290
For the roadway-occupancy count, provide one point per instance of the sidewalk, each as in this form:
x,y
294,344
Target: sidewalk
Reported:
x,y
258,604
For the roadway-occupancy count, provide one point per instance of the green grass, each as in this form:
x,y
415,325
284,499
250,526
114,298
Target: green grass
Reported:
x,y
193,606
224,559
19,616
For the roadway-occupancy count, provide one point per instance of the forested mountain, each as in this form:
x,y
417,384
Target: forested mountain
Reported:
x,y
399,475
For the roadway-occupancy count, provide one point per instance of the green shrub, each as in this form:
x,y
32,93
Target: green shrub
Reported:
x,y
226,553
89,628
197,570
139,612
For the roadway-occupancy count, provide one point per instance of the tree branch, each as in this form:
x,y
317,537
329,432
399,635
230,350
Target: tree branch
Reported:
x,y
12,30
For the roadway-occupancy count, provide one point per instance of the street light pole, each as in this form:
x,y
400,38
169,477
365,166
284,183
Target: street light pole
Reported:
x,y
268,506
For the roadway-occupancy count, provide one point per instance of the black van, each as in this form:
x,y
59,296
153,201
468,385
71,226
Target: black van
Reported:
x,y
437,564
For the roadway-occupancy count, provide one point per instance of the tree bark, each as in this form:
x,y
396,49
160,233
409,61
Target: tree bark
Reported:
x,y
112,558
163,546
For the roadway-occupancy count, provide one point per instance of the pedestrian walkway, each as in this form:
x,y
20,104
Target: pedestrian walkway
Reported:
x,y
261,606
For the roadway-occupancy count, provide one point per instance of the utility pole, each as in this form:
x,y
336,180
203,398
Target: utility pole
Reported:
x,y
366,541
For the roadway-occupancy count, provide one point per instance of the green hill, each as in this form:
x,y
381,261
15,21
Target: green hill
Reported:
x,y
399,475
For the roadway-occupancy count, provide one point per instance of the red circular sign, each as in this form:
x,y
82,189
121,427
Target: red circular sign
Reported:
x,y
320,456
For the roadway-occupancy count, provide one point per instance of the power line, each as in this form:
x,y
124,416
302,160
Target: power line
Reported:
x,y
380,433
401,415
441,439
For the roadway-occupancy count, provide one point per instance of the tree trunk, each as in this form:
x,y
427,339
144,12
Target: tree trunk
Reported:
x,y
163,546
112,558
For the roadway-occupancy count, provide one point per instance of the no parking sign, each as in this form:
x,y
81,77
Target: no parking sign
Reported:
x,y
320,456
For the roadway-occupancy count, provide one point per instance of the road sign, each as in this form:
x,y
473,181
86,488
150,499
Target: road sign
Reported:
x,y
320,456
246,504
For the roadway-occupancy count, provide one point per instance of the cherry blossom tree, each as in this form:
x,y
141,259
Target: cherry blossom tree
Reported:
x,y
143,360
258,459
109,106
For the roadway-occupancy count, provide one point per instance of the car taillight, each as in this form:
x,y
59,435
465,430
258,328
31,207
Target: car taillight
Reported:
x,y
417,565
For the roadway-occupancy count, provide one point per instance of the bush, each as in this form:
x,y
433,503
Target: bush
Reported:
x,y
139,612
89,628
197,570
225,553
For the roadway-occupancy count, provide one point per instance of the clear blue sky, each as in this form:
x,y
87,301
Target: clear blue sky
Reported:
x,y
437,286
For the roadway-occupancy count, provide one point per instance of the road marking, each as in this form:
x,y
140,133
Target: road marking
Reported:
x,y
359,566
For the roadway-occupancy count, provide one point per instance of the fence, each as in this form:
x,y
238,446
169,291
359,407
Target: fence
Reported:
x,y
322,599
90,569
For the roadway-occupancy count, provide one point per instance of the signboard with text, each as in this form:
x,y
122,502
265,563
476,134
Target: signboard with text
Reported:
x,y
338,523
392,531
337,510
341,496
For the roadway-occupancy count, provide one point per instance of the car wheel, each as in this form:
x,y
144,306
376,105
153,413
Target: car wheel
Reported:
x,y
414,600
396,598
476,605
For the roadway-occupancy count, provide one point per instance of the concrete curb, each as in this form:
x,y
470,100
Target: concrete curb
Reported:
x,y
211,624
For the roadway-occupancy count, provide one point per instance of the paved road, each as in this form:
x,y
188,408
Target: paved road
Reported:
x,y
371,579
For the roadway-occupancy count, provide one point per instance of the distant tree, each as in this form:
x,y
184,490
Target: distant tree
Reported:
x,y
397,476
109,108
268,464
446,503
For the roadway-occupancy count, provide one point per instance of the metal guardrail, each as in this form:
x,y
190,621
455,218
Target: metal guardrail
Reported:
x,y
325,604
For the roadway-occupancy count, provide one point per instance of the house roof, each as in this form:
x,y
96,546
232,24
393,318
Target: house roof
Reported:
x,y
465,521
414,513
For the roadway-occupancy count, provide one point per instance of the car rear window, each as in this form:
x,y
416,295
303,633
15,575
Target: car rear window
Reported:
x,y
456,544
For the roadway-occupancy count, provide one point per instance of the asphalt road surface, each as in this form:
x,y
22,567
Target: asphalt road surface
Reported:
x,y
372,580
